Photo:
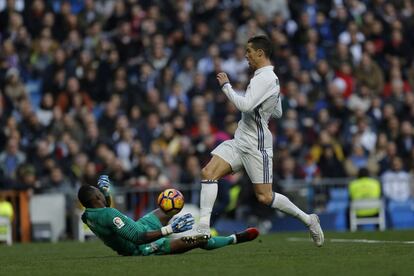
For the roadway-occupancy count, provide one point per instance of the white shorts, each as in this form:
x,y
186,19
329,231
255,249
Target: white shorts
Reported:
x,y
257,163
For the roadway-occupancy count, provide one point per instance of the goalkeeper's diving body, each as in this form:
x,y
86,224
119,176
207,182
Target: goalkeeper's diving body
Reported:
x,y
149,234
252,146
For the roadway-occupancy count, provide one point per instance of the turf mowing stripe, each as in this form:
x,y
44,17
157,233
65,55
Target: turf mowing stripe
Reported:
x,y
352,241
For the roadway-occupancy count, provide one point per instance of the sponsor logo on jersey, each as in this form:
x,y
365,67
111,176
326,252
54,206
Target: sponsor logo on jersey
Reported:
x,y
118,222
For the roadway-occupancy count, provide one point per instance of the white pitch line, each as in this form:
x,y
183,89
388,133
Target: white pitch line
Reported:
x,y
351,241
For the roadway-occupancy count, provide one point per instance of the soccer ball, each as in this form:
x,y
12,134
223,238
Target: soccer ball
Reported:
x,y
171,201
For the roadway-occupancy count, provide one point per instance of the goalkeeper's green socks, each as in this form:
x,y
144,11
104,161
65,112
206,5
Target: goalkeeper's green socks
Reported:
x,y
217,242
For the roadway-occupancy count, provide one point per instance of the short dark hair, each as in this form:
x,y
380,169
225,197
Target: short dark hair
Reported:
x,y
85,195
262,42
363,172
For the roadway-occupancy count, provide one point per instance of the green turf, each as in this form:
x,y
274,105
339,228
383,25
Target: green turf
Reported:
x,y
268,255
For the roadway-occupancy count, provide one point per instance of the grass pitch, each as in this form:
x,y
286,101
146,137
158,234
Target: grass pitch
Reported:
x,y
277,254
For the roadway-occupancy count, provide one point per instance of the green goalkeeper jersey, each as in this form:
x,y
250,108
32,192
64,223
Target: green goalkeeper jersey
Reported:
x,y
116,230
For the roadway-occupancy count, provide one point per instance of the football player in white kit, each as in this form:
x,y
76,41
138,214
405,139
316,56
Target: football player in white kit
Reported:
x,y
252,146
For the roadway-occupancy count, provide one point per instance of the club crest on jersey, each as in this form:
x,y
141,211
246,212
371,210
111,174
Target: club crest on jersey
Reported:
x,y
118,222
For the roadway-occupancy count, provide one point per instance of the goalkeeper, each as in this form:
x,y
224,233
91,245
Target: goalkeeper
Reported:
x,y
148,235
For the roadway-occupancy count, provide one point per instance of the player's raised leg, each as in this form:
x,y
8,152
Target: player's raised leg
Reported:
x,y
265,195
210,174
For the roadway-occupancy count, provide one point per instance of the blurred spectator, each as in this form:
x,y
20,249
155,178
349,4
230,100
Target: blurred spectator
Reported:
x,y
26,179
153,178
11,158
40,156
68,97
150,130
329,164
205,65
359,159
360,100
368,73
396,182
289,170
186,76
45,111
326,140
405,142
14,88
190,176
367,137
270,8
56,181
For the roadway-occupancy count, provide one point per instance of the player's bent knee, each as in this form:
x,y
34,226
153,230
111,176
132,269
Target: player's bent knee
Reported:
x,y
207,173
265,199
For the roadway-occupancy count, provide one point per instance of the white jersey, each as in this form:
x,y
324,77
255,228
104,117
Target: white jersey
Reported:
x,y
260,102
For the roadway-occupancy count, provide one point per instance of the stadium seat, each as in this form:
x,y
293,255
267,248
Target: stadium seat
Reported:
x,y
356,205
341,223
339,194
6,230
401,214
337,205
47,215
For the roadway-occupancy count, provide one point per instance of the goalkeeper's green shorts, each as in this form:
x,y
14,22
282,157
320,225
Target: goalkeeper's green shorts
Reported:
x,y
158,247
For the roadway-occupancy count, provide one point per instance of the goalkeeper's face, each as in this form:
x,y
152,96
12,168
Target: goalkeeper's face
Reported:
x,y
98,198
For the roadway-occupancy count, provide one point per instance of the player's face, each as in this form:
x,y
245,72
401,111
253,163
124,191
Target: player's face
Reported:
x,y
251,56
99,196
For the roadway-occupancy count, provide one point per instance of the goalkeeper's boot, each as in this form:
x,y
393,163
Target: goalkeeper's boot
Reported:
x,y
247,235
196,239
203,229
315,230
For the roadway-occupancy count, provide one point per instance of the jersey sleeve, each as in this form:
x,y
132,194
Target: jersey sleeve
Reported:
x,y
258,90
278,112
124,226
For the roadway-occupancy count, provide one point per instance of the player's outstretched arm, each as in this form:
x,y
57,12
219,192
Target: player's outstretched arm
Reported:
x,y
180,224
127,228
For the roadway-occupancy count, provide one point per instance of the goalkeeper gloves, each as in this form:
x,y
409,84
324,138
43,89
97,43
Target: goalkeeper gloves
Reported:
x,y
179,224
104,185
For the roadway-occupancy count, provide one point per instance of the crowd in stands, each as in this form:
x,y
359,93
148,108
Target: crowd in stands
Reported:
x,y
128,88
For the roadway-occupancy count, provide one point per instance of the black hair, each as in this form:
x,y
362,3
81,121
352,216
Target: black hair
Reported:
x,y
85,195
363,172
262,42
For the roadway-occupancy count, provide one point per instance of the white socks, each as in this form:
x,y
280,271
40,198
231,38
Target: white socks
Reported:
x,y
283,204
233,236
208,196
209,193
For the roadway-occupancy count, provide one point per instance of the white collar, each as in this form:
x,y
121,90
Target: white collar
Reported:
x,y
264,68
